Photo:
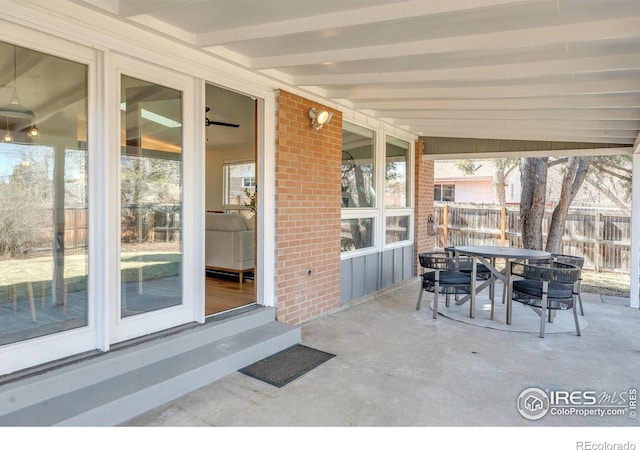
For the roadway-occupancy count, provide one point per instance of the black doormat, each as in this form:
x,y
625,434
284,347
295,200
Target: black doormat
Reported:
x,y
287,365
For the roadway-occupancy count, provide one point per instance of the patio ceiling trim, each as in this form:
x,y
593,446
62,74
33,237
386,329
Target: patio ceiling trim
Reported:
x,y
532,153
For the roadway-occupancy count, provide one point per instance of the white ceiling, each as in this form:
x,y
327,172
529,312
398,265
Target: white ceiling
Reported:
x,y
560,70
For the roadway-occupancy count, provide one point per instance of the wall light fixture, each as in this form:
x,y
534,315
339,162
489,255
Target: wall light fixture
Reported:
x,y
319,118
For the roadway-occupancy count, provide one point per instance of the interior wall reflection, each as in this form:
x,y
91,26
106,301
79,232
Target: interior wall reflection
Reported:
x,y
150,197
43,194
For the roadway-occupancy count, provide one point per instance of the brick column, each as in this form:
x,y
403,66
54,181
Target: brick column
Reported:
x,y
423,204
308,211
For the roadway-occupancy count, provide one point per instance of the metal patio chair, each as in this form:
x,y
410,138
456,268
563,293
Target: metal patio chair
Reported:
x,y
575,261
549,287
443,274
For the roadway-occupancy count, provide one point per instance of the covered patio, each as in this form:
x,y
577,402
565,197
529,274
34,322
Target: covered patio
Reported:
x,y
396,366
560,75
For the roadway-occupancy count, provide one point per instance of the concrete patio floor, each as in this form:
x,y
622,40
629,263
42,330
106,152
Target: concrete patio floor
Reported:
x,y
398,367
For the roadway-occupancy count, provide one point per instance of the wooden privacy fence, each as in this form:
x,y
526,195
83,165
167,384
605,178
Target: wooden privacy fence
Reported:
x,y
156,223
602,238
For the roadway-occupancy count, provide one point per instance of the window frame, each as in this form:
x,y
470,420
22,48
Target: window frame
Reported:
x,y
442,187
407,210
226,179
380,212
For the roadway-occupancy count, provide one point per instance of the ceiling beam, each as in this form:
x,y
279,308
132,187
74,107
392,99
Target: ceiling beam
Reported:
x,y
511,39
555,102
471,73
374,14
571,134
600,125
526,135
631,85
130,9
155,24
529,153
609,114
111,6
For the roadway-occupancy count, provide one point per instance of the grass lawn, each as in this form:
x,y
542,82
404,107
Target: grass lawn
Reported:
x,y
147,265
606,283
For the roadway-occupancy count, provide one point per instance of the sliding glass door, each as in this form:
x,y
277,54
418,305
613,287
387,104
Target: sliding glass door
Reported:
x,y
151,203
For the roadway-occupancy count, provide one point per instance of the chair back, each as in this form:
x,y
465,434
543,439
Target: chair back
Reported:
x,y
444,261
568,259
554,271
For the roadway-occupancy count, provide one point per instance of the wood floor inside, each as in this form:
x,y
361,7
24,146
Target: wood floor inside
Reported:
x,y
224,292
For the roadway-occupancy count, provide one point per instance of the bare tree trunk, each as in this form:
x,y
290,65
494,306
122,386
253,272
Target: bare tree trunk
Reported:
x,y
499,183
574,175
533,175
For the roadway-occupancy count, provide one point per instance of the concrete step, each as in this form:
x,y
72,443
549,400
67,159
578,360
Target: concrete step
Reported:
x,y
120,385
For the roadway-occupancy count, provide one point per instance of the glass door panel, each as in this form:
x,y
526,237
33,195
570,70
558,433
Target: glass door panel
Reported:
x,y
150,197
43,197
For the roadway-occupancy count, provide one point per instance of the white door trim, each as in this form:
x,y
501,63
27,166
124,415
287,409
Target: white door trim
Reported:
x,y
121,329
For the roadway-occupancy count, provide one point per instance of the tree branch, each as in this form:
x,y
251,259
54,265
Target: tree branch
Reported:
x,y
608,194
602,169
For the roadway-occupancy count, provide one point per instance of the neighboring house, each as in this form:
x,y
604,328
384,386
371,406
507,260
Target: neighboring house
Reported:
x,y
452,184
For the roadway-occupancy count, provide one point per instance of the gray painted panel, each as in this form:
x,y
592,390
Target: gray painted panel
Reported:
x,y
345,281
372,273
366,274
387,269
408,263
357,277
398,258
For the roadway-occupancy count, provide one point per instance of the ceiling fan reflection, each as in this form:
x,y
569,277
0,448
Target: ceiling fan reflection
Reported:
x,y
208,122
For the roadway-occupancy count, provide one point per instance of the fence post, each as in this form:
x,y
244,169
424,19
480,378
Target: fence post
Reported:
x,y
445,225
503,225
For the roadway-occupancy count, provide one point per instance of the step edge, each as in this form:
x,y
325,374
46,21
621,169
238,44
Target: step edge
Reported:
x,y
163,392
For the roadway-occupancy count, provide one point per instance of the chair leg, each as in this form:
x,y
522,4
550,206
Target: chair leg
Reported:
x,y
575,316
420,297
435,299
580,302
506,293
543,313
580,297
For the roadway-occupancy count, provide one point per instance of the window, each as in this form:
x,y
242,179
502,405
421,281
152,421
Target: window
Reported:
x,y
397,229
358,188
239,183
358,167
395,181
369,224
43,199
356,234
444,192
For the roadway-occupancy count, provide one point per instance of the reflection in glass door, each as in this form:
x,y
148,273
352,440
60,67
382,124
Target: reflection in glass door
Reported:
x,y
150,197
43,198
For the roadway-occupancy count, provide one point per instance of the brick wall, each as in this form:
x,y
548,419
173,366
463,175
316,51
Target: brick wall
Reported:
x,y
307,211
423,204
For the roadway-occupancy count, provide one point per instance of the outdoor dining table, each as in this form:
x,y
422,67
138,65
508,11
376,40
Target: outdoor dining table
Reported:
x,y
487,255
